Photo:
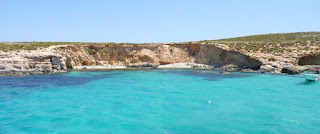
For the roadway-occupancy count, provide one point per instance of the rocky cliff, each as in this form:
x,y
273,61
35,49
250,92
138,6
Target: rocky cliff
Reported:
x,y
160,54
277,52
59,58
26,62
272,53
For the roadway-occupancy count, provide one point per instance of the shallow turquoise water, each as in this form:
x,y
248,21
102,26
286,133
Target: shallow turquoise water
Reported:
x,y
159,101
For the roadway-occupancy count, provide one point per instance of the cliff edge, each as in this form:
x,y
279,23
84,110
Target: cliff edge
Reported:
x,y
272,53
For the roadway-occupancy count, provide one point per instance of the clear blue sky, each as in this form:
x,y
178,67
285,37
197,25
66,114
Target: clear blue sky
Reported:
x,y
152,20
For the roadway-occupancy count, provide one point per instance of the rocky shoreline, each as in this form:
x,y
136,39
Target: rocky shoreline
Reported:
x,y
57,59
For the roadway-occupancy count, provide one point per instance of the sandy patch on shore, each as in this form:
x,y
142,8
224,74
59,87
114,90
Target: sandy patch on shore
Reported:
x,y
184,65
98,67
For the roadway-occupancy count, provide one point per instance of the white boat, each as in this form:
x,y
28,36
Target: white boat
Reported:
x,y
313,74
312,77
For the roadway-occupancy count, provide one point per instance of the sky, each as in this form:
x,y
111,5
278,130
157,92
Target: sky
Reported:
x,y
157,21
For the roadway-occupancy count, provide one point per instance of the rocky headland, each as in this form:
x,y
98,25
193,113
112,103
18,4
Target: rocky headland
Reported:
x,y
290,53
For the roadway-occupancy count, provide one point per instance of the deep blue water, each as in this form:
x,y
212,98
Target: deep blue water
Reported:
x,y
159,101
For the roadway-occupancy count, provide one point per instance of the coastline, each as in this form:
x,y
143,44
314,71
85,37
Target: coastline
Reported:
x,y
99,67
113,67
216,55
222,69
167,66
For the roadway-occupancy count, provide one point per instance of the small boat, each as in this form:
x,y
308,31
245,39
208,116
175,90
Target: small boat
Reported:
x,y
312,75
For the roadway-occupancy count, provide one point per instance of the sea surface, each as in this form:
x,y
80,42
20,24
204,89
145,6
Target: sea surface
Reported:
x,y
173,101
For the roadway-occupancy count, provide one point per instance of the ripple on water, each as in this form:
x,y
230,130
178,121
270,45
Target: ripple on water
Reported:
x,y
158,101
206,74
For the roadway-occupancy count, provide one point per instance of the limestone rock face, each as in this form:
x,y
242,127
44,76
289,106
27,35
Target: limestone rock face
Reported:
x,y
293,69
128,55
51,60
31,62
137,55
268,69
210,54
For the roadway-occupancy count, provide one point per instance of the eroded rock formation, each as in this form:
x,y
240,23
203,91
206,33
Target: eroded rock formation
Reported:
x,y
210,54
31,62
128,55
59,58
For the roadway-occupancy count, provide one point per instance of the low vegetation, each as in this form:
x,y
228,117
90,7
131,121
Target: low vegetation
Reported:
x,y
273,43
28,45
267,43
10,46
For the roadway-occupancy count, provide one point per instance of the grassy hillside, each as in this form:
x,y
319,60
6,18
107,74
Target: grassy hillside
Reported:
x,y
273,43
278,38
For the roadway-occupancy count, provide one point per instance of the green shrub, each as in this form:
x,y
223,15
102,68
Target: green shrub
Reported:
x,y
91,51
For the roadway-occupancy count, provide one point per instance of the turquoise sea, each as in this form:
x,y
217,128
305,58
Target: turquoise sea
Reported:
x,y
173,101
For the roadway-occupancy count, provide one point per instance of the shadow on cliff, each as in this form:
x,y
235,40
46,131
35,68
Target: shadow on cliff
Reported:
x,y
312,59
212,55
